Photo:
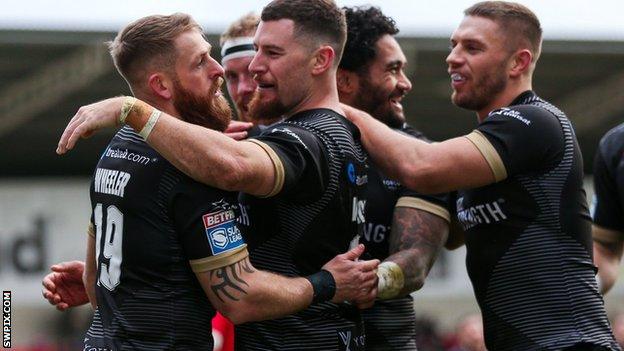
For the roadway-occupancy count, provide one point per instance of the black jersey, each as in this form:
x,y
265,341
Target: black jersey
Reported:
x,y
391,324
313,213
608,209
528,235
153,227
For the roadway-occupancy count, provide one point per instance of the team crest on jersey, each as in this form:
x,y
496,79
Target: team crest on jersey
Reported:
x,y
222,232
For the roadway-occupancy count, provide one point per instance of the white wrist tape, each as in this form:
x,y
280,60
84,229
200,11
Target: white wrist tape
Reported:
x,y
126,107
151,122
391,280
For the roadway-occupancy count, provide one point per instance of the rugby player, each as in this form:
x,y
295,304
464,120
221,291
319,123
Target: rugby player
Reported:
x,y
608,213
519,174
158,237
403,228
303,178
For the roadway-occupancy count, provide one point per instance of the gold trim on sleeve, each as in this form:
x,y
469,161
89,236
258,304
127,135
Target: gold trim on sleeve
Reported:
x,y
420,204
220,260
277,164
489,153
606,236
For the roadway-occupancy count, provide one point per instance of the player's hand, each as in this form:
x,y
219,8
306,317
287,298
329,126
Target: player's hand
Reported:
x,y
353,114
88,120
63,287
356,281
237,130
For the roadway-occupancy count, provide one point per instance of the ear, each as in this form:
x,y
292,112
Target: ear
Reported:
x,y
347,81
160,85
323,59
521,62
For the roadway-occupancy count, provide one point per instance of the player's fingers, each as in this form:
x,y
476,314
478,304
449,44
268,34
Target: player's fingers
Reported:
x,y
369,265
354,253
237,135
73,123
238,126
80,130
48,282
62,306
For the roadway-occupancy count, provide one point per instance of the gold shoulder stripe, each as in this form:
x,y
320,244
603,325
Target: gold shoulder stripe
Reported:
x,y
220,260
606,236
91,230
489,153
277,164
420,204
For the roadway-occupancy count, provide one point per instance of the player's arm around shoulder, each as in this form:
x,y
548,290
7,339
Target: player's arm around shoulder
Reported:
x,y
243,293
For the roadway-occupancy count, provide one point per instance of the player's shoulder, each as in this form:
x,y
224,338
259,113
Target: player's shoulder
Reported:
x,y
612,143
413,132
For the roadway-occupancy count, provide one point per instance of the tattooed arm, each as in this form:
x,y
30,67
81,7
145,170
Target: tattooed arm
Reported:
x,y
416,238
243,293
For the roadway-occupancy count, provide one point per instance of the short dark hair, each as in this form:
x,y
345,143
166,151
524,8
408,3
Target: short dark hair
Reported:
x,y
146,41
517,20
315,19
365,26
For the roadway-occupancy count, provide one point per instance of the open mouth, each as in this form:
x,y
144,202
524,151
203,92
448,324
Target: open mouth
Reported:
x,y
265,85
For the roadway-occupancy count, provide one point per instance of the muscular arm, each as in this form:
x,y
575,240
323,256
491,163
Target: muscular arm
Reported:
x,y
607,256
415,240
243,293
208,156
428,168
205,155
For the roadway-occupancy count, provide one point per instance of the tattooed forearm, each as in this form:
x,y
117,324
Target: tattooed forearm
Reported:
x,y
230,280
415,241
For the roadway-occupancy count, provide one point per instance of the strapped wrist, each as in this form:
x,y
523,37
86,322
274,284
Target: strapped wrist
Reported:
x,y
391,280
323,286
126,107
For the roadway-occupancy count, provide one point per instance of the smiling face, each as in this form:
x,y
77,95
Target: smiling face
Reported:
x,y
282,69
383,84
478,64
197,83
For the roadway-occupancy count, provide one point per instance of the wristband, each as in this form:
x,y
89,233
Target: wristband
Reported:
x,y
126,107
391,280
323,286
151,122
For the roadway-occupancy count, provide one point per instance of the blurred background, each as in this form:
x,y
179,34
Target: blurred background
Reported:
x,y
52,61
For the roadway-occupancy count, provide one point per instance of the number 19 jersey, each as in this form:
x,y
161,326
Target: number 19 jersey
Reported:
x,y
154,226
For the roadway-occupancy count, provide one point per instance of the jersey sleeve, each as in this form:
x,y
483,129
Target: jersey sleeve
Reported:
x,y
206,226
519,139
437,204
298,158
608,212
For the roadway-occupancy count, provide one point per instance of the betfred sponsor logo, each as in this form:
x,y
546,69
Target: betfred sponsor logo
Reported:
x,y
217,218
221,230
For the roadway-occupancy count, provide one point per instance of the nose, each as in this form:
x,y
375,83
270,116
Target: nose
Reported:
x,y
257,65
404,83
454,58
216,70
246,85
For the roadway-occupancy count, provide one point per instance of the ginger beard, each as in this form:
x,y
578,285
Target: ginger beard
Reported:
x,y
209,110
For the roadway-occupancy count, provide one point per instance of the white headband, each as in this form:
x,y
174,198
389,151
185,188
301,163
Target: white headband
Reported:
x,y
237,47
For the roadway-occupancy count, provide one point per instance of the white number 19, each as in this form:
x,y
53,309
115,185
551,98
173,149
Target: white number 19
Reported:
x,y
110,274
